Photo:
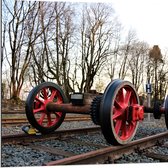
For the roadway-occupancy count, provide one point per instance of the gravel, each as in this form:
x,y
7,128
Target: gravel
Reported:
x,y
135,158
94,138
159,150
64,125
68,146
17,155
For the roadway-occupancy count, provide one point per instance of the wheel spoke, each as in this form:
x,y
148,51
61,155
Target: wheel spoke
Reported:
x,y
117,114
39,100
58,114
45,93
127,97
124,130
118,105
118,126
41,109
121,95
40,121
132,125
53,94
49,120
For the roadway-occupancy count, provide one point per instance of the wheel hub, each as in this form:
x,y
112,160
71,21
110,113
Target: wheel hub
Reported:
x,y
135,113
46,103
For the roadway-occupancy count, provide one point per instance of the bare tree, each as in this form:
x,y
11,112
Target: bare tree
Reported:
x,y
124,53
136,62
111,65
162,77
39,50
3,47
51,54
156,57
20,43
95,34
64,28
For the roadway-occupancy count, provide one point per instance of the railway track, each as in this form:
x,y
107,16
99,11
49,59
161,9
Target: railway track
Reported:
x,y
24,138
18,117
110,154
20,121
13,112
100,153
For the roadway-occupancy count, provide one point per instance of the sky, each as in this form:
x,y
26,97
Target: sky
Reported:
x,y
149,18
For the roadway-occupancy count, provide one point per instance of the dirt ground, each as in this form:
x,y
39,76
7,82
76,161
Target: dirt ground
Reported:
x,y
7,104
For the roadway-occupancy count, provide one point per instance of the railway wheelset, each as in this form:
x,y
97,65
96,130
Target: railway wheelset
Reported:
x,y
117,110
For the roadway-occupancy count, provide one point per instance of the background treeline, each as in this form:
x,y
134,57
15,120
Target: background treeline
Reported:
x,y
79,46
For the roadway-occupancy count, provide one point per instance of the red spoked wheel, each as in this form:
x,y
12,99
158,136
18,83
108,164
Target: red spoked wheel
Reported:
x,y
117,125
36,102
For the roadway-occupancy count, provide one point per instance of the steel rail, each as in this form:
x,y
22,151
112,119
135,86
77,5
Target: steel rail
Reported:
x,y
25,138
17,121
110,153
19,111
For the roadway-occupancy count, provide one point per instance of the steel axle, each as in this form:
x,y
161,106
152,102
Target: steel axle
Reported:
x,y
67,108
85,109
151,110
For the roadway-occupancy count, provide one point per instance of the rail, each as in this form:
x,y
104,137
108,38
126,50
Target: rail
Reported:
x,y
110,153
24,138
